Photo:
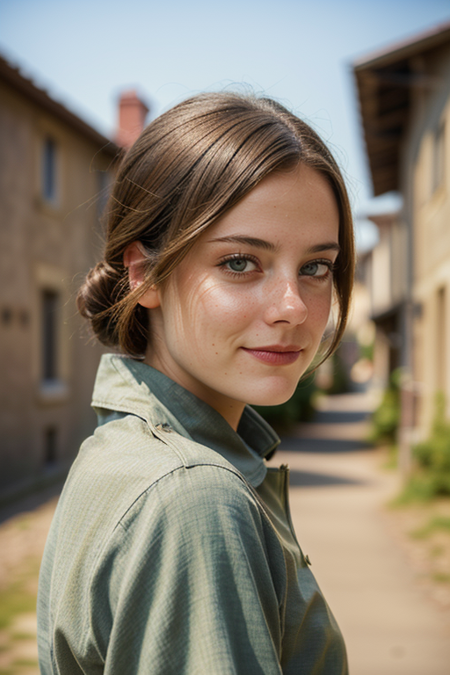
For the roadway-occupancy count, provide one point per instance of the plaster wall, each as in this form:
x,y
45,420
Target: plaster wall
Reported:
x,y
427,208
45,245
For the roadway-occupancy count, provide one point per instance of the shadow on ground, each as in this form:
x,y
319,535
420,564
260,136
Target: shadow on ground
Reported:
x,y
322,445
316,443
30,502
311,479
340,416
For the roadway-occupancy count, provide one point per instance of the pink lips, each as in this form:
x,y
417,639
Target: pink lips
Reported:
x,y
275,355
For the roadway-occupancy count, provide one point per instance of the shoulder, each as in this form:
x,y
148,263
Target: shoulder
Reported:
x,y
191,494
204,510
193,553
193,515
124,471
140,455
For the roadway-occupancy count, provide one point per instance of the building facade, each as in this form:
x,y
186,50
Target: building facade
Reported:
x,y
54,177
385,277
404,96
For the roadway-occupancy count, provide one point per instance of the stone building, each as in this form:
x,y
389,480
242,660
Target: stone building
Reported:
x,y
55,173
385,268
404,95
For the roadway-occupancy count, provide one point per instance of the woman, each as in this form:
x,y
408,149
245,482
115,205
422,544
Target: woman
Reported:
x,y
172,550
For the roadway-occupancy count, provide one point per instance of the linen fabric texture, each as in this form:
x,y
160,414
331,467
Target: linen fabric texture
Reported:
x,y
172,550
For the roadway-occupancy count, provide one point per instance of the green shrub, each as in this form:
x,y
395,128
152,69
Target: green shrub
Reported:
x,y
419,488
386,417
341,381
436,524
433,455
431,476
366,351
299,408
424,486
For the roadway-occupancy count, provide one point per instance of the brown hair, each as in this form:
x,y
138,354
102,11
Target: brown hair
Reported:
x,y
188,167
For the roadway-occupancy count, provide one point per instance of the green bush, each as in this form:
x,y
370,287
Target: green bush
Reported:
x,y
366,351
423,486
386,417
299,408
433,455
419,488
341,382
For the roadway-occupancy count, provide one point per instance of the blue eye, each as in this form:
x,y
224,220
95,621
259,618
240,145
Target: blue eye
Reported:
x,y
316,268
238,264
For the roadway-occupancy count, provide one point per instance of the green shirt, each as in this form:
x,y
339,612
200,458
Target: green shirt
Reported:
x,y
172,549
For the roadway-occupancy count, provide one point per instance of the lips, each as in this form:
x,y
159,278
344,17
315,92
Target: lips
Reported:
x,y
276,355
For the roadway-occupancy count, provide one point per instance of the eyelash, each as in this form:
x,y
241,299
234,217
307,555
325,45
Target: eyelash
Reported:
x,y
239,256
245,256
324,277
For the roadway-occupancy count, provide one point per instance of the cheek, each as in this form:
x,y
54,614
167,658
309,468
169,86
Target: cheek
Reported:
x,y
207,313
319,308
221,300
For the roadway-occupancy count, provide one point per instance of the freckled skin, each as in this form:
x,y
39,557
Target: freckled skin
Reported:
x,y
265,298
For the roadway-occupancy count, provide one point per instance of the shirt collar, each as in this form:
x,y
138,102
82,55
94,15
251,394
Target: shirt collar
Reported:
x,y
126,385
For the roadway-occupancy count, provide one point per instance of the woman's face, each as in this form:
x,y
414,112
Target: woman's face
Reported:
x,y
241,318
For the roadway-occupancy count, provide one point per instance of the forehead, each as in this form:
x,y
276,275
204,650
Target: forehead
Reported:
x,y
291,204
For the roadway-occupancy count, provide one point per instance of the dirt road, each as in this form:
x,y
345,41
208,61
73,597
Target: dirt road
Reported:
x,y
338,497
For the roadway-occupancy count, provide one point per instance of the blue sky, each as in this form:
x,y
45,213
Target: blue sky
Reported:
x,y
84,52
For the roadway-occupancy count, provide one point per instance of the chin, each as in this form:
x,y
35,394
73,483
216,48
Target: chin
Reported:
x,y
274,397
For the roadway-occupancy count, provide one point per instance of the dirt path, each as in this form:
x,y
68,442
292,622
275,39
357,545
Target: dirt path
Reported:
x,y
23,531
338,497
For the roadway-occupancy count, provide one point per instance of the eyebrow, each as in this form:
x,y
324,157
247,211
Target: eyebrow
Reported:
x,y
250,241
269,246
328,246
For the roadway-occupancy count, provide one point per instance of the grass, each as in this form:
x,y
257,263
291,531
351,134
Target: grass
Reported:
x,y
425,526
15,600
435,524
420,488
441,577
437,551
24,523
390,462
20,596
13,669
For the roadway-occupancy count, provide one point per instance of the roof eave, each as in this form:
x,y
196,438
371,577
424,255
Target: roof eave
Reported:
x,y
383,133
17,81
435,37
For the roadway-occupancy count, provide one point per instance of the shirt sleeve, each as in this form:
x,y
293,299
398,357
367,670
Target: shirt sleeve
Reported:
x,y
193,583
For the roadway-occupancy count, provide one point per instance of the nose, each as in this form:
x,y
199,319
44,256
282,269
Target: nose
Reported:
x,y
285,303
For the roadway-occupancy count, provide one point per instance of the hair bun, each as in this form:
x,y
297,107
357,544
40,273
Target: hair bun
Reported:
x,y
102,289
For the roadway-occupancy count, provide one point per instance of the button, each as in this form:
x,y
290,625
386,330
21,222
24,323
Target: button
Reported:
x,y
307,560
163,427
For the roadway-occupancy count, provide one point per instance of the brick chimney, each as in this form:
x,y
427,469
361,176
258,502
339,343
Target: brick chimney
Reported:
x,y
132,116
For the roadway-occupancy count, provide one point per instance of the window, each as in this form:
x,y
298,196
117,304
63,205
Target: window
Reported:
x,y
104,189
49,174
6,314
438,167
50,446
441,339
49,335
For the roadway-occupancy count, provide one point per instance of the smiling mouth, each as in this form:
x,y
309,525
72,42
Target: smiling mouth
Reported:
x,y
275,355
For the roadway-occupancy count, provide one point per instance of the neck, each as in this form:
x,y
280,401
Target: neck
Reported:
x,y
230,409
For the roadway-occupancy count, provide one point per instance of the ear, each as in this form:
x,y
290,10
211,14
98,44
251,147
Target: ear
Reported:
x,y
134,258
